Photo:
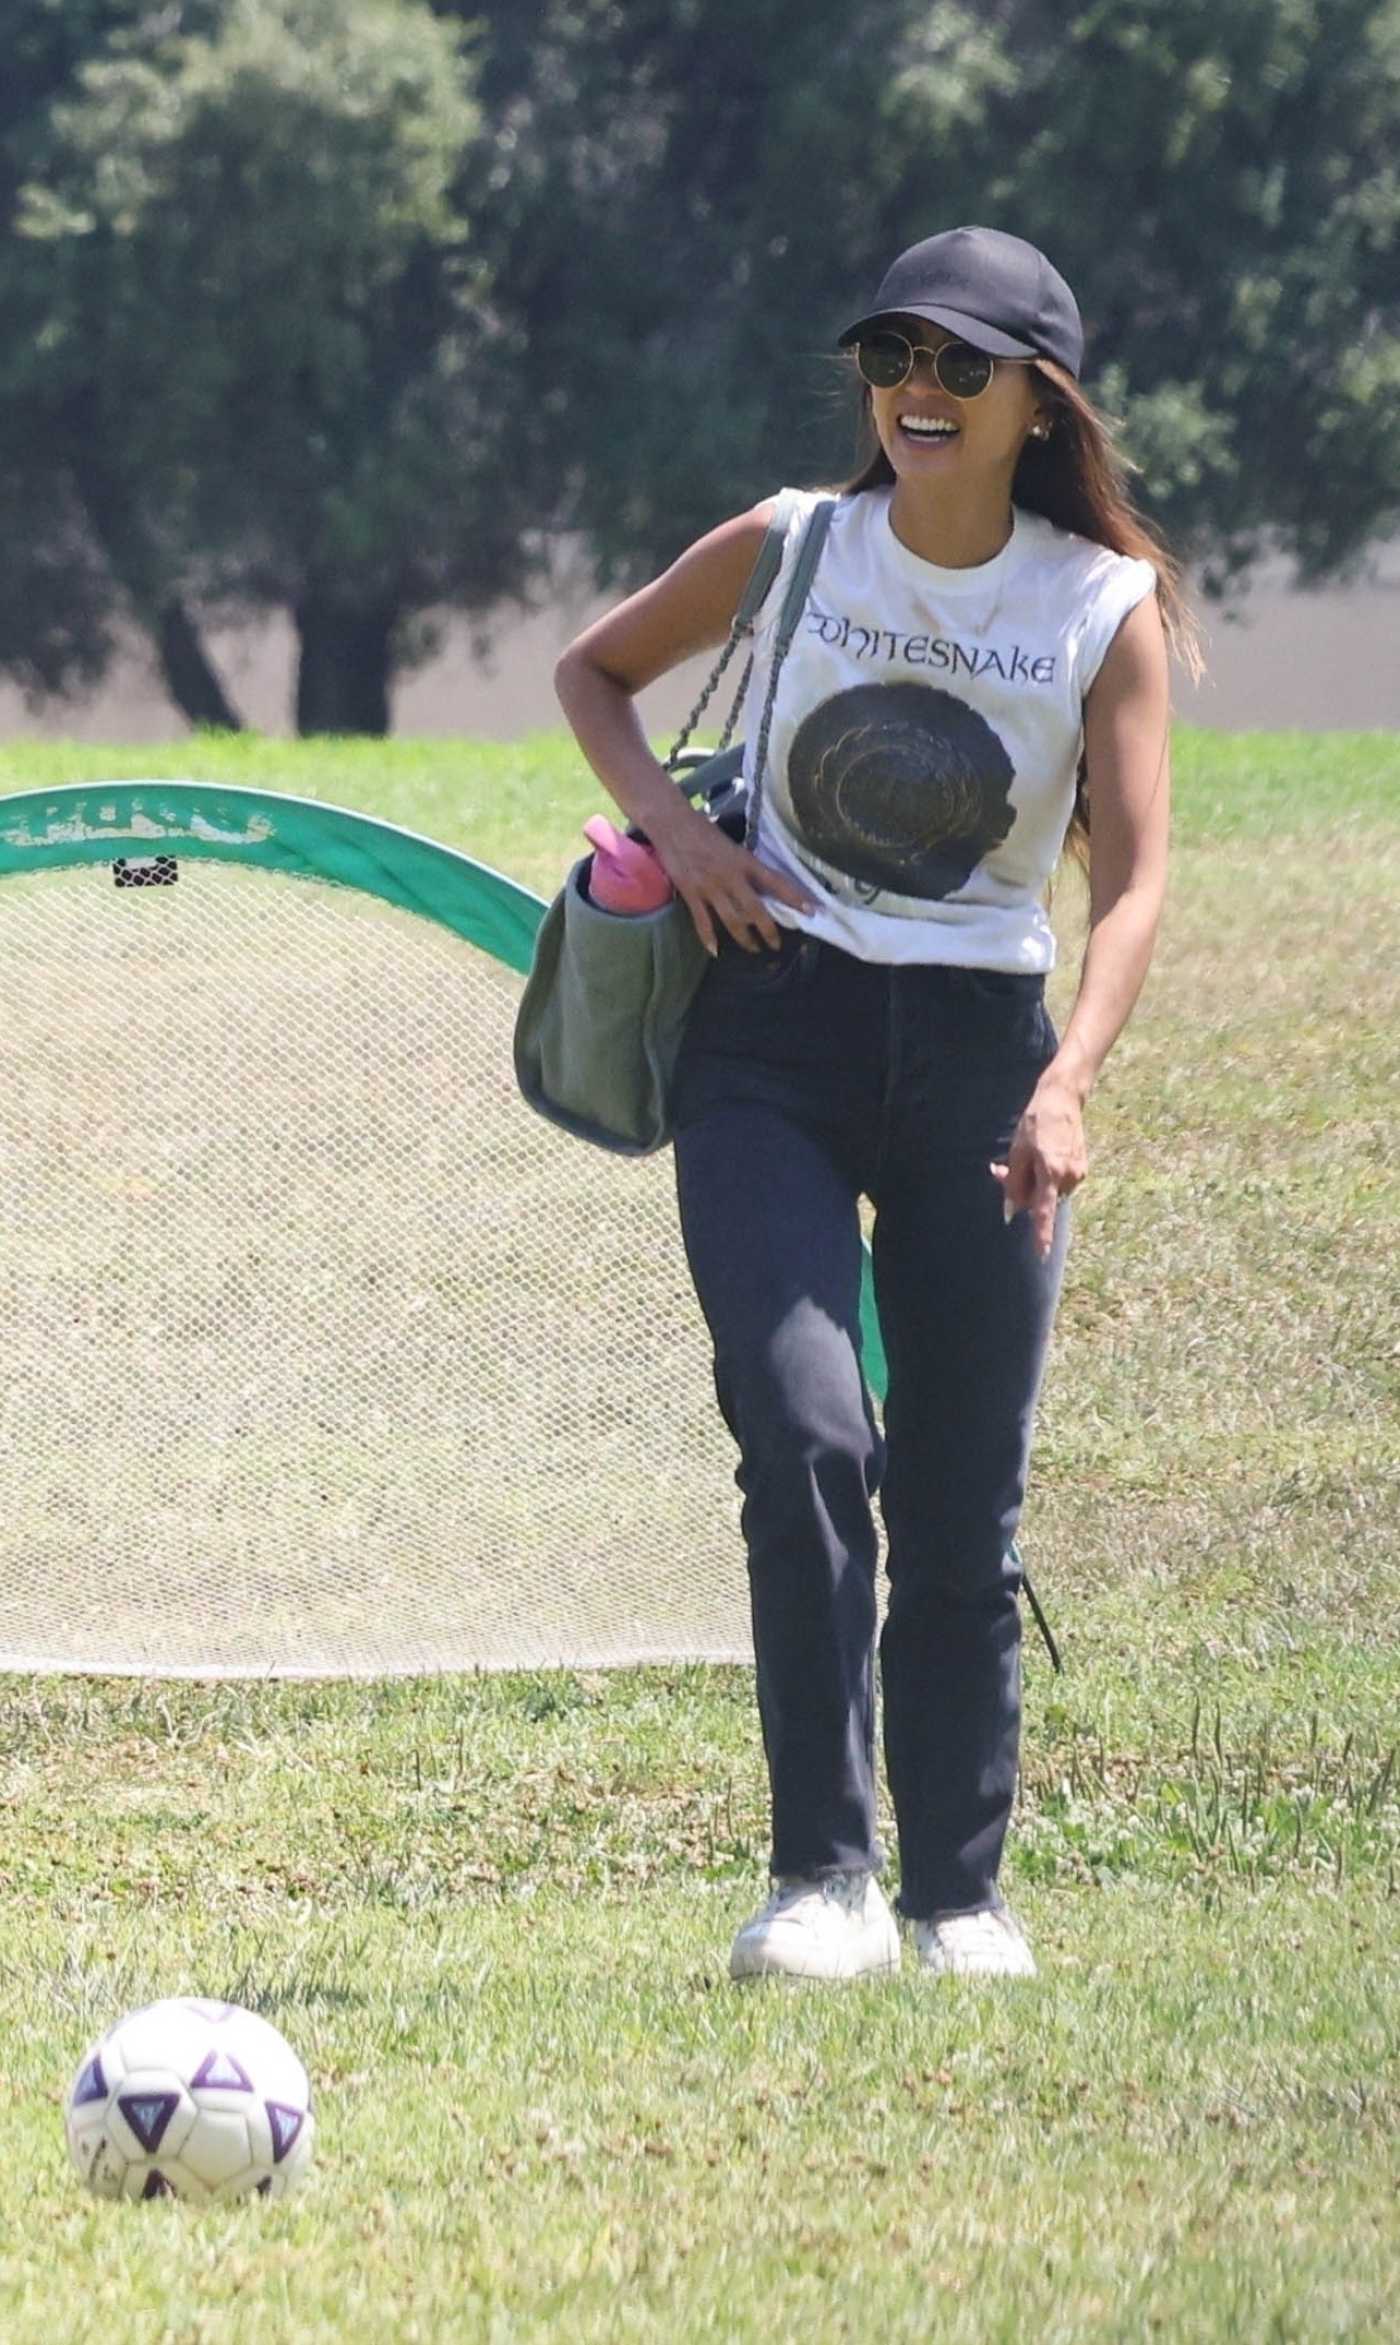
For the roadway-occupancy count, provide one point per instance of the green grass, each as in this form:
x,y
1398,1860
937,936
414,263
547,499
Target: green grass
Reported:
x,y
518,805
493,1914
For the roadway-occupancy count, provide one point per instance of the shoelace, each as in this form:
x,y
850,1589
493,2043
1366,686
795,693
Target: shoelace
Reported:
x,y
1040,1620
797,1886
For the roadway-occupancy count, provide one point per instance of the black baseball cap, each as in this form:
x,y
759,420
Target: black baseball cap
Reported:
x,y
995,291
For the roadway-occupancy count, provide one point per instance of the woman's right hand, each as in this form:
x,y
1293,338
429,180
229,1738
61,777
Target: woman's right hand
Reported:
x,y
685,612
722,884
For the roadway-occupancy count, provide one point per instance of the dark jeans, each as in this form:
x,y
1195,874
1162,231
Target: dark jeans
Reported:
x,y
807,1080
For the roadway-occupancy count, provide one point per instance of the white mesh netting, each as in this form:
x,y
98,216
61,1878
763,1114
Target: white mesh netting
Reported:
x,y
322,1354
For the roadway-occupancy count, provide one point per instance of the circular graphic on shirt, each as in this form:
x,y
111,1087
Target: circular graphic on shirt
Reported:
x,y
900,787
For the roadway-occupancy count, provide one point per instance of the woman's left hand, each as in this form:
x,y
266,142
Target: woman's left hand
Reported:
x,y
1048,1158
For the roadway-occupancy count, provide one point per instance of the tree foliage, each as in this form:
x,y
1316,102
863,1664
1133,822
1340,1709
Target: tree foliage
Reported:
x,y
1236,229
55,590
266,332
347,306
1219,186
692,188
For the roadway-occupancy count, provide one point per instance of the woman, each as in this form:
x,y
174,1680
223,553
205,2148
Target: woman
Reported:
x,y
982,657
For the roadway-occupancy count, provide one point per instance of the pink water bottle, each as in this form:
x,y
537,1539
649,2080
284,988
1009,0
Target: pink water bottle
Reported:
x,y
626,874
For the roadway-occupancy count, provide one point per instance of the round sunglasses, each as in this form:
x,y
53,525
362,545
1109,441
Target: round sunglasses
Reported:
x,y
886,359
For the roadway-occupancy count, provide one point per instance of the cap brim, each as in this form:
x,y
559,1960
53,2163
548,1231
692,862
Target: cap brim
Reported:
x,y
988,338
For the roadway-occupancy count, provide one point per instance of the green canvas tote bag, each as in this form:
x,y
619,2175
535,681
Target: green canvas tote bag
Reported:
x,y
600,1022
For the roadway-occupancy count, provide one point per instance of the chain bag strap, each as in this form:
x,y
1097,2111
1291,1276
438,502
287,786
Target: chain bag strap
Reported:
x,y
804,570
751,601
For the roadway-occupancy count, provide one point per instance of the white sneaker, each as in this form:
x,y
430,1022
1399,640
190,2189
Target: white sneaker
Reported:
x,y
838,1927
986,1944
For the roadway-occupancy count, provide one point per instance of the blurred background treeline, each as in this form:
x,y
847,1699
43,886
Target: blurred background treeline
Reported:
x,y
360,314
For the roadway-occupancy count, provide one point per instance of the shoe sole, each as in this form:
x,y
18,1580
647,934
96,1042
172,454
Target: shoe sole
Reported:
x,y
975,1970
759,1965
1007,1958
746,1973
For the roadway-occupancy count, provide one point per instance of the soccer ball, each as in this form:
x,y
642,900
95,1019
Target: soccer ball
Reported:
x,y
188,2099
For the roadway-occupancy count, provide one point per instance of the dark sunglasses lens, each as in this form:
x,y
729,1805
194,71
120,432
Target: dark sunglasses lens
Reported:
x,y
884,359
963,371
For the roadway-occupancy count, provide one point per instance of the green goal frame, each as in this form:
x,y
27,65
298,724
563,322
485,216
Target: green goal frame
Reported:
x,y
305,838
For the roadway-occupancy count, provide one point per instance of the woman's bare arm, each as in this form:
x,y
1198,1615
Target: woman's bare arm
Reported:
x,y
1126,714
1126,717
687,610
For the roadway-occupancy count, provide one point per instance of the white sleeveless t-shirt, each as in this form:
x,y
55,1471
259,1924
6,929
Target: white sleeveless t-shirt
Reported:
x,y
927,731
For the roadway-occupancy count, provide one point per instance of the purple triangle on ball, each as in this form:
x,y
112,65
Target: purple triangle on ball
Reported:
x,y
286,2125
220,2068
91,2085
148,2115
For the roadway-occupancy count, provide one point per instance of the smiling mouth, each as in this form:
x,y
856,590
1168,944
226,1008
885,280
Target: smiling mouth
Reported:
x,y
926,431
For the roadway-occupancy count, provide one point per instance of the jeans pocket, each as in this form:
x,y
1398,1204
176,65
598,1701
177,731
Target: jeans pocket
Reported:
x,y
1003,986
1005,1012
767,971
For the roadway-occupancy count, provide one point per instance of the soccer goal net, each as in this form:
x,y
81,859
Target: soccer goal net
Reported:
x,y
322,1355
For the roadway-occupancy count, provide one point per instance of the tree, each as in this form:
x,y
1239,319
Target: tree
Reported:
x,y
1221,184
345,306
682,194
58,589
271,337
1217,183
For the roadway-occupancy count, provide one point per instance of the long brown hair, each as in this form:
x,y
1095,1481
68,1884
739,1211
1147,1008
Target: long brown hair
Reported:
x,y
1077,478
